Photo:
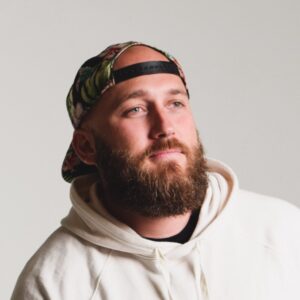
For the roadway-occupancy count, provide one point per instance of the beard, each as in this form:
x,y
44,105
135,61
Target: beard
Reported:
x,y
165,189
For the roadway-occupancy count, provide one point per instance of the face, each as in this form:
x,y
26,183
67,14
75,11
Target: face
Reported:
x,y
136,113
139,112
145,134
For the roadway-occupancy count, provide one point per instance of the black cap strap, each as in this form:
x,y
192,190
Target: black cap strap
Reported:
x,y
145,68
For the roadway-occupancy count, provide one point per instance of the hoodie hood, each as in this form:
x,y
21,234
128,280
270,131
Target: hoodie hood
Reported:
x,y
89,219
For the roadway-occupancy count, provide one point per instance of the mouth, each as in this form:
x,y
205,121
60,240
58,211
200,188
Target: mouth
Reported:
x,y
165,153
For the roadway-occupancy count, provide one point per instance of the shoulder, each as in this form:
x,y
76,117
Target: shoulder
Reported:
x,y
270,221
63,251
63,261
267,209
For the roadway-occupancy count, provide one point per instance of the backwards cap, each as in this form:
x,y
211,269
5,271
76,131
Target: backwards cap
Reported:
x,y
95,77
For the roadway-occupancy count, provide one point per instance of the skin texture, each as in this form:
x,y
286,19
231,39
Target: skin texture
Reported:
x,y
134,116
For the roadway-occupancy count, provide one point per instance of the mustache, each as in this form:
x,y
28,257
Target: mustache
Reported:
x,y
162,145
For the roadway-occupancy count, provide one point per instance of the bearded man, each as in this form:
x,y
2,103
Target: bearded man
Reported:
x,y
152,217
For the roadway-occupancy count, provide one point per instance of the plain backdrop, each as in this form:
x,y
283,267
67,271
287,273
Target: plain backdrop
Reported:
x,y
241,59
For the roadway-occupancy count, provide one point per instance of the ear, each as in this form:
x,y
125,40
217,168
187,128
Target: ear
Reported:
x,y
84,145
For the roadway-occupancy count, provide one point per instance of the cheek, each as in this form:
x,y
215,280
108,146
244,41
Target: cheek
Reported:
x,y
187,130
127,136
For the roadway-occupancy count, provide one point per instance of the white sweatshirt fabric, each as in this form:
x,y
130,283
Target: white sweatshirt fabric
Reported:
x,y
245,246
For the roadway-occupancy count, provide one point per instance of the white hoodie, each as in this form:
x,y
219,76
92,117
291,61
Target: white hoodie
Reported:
x,y
245,246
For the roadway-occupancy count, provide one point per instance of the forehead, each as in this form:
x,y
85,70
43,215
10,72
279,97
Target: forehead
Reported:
x,y
153,88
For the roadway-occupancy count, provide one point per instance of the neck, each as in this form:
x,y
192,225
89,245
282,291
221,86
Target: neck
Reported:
x,y
150,227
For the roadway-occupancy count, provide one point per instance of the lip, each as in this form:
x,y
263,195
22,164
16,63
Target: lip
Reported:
x,y
165,153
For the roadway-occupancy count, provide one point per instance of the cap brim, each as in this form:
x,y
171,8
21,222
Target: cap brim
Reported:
x,y
73,167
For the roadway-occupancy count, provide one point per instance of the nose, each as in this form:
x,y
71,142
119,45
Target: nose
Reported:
x,y
161,125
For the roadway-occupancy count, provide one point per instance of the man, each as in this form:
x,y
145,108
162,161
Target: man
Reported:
x,y
152,218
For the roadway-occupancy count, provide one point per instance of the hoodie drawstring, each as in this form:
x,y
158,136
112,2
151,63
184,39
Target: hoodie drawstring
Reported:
x,y
199,275
164,270
100,274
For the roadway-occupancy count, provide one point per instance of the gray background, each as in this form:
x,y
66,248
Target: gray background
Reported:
x,y
241,59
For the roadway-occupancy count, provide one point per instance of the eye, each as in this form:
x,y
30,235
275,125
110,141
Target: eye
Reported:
x,y
177,104
135,111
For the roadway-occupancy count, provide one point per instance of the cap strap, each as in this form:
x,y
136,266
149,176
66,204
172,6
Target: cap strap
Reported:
x,y
145,68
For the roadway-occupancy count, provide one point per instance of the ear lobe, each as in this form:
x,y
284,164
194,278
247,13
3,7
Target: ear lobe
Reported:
x,y
84,145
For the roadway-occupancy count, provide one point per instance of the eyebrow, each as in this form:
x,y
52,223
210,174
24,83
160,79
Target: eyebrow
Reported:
x,y
134,94
177,92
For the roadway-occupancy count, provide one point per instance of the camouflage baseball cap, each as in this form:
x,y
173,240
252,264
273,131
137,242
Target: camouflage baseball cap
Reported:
x,y
95,77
